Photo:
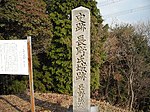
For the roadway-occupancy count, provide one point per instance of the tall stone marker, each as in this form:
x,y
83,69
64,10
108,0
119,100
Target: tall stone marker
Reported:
x,y
81,59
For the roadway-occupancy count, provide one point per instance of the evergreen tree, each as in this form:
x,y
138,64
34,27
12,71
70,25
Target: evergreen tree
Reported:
x,y
59,66
19,19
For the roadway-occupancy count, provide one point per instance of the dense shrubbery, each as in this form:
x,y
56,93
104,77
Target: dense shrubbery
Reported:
x,y
49,24
19,19
59,56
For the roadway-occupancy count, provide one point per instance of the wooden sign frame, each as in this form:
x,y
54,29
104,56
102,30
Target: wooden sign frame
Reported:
x,y
30,69
28,72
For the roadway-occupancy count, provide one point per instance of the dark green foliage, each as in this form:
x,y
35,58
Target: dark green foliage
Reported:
x,y
38,75
59,65
19,19
17,87
52,62
13,84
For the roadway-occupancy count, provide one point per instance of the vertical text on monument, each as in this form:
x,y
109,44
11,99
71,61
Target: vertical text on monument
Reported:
x,y
81,59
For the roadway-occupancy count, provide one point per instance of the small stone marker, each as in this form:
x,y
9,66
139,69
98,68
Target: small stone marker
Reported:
x,y
81,59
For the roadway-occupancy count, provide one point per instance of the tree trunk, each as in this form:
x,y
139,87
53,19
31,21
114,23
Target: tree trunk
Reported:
x,y
131,89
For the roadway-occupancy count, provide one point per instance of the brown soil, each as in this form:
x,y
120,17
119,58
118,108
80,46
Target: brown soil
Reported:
x,y
46,102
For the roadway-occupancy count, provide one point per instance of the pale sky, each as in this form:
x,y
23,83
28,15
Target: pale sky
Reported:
x,y
124,11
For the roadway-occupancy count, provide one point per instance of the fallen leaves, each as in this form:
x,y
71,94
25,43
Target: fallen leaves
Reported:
x,y
46,102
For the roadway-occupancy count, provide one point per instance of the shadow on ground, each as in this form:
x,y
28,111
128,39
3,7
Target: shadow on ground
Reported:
x,y
54,107
14,106
45,105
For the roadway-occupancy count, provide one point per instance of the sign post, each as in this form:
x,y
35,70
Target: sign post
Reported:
x,y
16,59
30,73
81,59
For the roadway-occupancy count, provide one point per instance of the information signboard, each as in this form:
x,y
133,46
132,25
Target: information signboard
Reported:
x,y
13,57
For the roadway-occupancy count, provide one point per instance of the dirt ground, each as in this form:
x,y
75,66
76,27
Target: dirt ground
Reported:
x,y
46,102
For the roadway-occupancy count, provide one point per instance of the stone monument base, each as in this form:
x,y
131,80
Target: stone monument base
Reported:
x,y
93,108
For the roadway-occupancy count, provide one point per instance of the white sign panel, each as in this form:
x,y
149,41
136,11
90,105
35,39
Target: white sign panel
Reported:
x,y
13,57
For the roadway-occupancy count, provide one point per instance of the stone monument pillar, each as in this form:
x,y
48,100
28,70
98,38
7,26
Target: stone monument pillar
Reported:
x,y
81,59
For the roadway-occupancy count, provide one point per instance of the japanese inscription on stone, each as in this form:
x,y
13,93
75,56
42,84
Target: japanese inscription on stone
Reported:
x,y
13,57
81,59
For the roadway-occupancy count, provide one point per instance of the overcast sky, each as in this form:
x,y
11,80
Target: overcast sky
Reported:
x,y
124,11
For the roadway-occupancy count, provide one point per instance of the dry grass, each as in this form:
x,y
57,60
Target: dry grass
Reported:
x,y
46,102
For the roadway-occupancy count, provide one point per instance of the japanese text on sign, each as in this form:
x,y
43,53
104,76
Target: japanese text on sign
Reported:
x,y
13,57
81,59
81,48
